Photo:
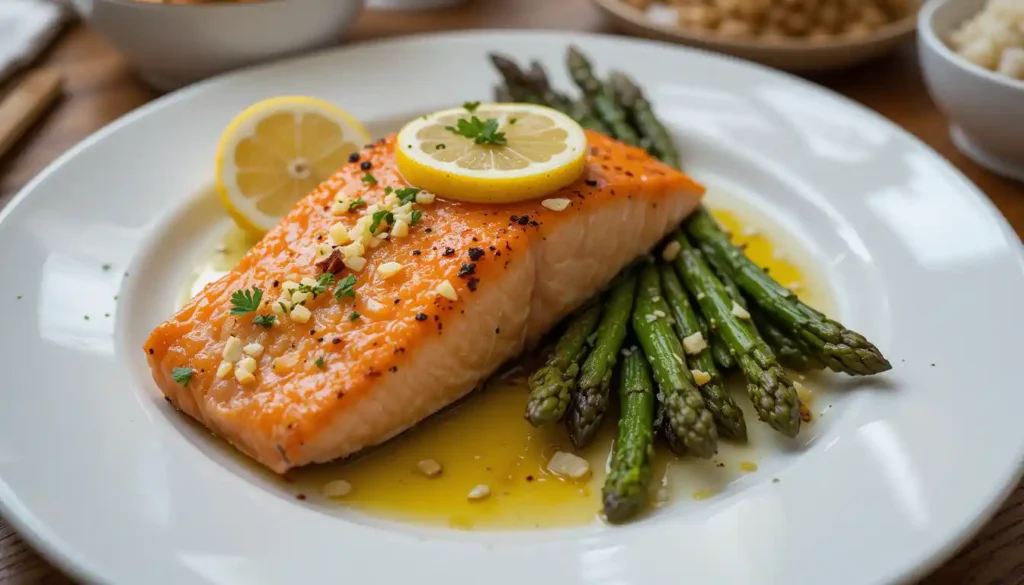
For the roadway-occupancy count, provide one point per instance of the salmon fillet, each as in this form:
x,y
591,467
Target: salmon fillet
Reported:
x,y
336,384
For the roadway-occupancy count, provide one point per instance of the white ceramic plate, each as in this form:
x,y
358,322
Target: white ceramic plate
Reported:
x,y
116,487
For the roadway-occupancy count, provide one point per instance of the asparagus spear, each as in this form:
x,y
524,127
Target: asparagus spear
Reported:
x,y
625,488
579,110
790,352
516,84
663,427
601,98
768,386
642,115
552,383
728,416
501,93
684,406
841,349
590,400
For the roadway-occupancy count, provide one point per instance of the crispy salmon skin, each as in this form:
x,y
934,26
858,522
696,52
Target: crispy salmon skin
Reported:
x,y
366,367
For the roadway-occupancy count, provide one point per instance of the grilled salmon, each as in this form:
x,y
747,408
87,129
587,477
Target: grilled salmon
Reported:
x,y
364,368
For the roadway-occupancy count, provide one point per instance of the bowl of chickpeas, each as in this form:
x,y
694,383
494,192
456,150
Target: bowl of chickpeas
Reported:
x,y
793,35
972,56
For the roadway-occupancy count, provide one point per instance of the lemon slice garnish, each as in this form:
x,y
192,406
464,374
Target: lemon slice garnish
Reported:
x,y
532,151
277,151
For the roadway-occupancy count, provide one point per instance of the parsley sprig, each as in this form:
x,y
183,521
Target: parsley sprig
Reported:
x,y
356,204
345,287
182,375
381,216
369,179
323,282
246,301
479,131
265,320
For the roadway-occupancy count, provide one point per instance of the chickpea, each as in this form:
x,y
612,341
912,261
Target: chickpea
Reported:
x,y
773,33
797,23
829,16
701,17
872,15
857,30
820,34
734,28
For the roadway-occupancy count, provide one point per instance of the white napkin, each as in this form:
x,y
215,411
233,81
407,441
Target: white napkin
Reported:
x,y
26,28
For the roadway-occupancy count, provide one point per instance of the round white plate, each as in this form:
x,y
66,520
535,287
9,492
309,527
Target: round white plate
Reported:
x,y
114,486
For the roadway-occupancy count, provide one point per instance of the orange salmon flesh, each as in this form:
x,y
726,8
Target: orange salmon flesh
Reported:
x,y
334,385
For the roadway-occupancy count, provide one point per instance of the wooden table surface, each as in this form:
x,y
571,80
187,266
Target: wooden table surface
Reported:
x,y
99,88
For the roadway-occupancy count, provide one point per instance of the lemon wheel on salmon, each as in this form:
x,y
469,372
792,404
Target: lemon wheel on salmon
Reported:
x,y
277,151
492,153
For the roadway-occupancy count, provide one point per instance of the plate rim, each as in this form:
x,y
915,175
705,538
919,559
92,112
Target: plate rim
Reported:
x,y
52,547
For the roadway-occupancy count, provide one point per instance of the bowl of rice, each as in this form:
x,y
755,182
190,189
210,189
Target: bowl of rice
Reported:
x,y
972,55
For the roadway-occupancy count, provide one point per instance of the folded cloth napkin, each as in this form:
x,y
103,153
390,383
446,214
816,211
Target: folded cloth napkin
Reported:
x,y
27,27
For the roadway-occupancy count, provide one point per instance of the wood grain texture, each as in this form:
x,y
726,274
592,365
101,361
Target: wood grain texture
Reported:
x,y
99,87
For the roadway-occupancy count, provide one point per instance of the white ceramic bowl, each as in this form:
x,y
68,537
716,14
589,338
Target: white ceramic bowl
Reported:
x,y
171,45
985,109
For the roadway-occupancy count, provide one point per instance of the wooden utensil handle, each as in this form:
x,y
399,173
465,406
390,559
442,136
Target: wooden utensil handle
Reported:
x,y
24,105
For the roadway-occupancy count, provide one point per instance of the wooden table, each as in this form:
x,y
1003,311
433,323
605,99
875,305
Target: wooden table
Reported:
x,y
99,88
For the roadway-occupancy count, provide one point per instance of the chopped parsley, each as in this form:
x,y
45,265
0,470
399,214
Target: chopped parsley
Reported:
x,y
323,282
407,195
265,320
182,375
512,121
388,190
381,216
319,362
246,301
369,179
470,106
345,287
356,204
479,131
440,146
355,315
415,215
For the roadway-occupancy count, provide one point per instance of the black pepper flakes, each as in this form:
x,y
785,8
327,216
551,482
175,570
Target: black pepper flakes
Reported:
x,y
151,351
300,496
428,230
276,283
513,218
320,339
534,224
472,284
475,254
421,316
336,340
591,183
393,369
415,252
467,269
492,247
449,252
312,331
398,301
366,165
497,330
523,219
354,157
529,478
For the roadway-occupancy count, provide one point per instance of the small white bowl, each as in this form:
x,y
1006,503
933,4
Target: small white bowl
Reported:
x,y
171,45
985,109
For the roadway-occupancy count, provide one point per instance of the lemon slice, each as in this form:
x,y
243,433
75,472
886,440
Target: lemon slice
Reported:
x,y
532,151
277,151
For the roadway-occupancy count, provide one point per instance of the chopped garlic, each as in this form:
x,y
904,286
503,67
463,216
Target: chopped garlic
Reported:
x,y
656,298
446,290
402,217
803,392
377,240
232,349
749,231
429,467
248,364
300,297
658,313
480,492
390,201
224,369
352,250
338,488
307,281
282,305
338,235
254,349
400,229
355,263
650,318
671,250
388,269
244,376
556,204
404,209
323,251
700,377
424,198
300,314
739,311
694,344
568,465
289,286
339,208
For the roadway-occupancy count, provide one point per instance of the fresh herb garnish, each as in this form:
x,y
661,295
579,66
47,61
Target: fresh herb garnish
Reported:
x,y
407,195
388,190
182,375
265,320
470,106
319,362
440,147
345,287
381,215
355,315
512,121
479,131
369,179
246,301
323,282
356,204
415,217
